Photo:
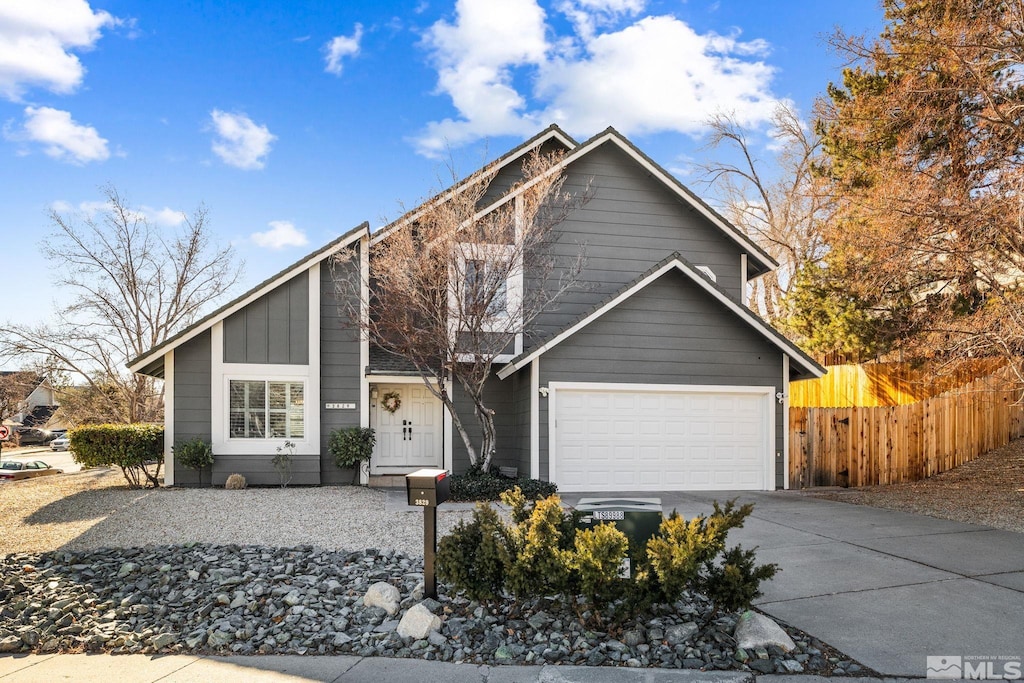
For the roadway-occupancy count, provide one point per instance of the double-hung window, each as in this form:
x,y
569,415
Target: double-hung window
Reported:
x,y
266,410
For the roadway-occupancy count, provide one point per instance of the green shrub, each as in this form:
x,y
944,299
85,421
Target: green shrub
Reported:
x,y
680,549
129,446
537,564
195,454
736,582
472,558
352,446
486,486
595,560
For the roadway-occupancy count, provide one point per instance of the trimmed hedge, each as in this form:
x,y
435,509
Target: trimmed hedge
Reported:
x,y
484,486
132,447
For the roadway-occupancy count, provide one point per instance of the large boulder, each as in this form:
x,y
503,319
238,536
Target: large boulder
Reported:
x,y
418,623
383,595
754,630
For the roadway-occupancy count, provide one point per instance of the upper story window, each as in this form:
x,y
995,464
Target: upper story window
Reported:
x,y
266,410
485,279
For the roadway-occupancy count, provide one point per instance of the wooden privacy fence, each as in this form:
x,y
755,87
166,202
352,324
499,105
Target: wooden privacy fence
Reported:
x,y
883,384
860,446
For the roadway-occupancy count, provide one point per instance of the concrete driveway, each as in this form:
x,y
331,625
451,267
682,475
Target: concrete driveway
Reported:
x,y
887,588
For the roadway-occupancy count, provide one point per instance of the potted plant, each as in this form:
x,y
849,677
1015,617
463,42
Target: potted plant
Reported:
x,y
351,447
195,454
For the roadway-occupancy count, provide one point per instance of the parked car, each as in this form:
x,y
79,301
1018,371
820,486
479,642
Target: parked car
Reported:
x,y
61,443
13,470
32,436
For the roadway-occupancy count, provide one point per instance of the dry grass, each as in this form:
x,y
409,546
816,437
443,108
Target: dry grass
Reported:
x,y
989,490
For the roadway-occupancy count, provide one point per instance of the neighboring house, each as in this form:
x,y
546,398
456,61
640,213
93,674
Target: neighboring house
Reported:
x,y
37,400
655,376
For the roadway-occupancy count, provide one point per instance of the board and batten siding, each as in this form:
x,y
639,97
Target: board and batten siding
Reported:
x,y
670,332
340,373
191,400
630,223
273,329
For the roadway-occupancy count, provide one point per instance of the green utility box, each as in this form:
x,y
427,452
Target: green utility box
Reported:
x,y
637,518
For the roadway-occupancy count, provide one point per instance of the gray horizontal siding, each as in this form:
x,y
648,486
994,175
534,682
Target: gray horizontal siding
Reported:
x,y
271,329
521,410
630,223
671,332
258,470
192,404
498,397
339,365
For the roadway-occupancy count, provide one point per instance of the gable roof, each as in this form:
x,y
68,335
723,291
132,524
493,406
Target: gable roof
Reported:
x,y
804,363
760,261
151,362
552,132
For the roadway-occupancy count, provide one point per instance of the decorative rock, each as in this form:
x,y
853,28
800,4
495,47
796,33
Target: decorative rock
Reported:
x,y
163,640
681,633
221,638
754,630
383,595
632,638
10,644
792,666
418,623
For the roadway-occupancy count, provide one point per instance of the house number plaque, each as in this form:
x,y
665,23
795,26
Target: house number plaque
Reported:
x,y
340,406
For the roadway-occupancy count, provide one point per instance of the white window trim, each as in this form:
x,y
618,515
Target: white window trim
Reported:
x,y
767,392
221,373
266,381
513,284
169,418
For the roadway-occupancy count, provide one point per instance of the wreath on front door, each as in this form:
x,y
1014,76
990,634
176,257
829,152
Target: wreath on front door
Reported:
x,y
391,401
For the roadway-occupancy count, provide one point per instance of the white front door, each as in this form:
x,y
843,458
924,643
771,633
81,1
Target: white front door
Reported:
x,y
411,436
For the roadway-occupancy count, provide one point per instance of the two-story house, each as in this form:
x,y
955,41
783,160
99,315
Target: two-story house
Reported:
x,y
654,376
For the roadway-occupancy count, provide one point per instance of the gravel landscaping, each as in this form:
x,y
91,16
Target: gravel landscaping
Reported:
x,y
989,490
233,599
88,565
93,509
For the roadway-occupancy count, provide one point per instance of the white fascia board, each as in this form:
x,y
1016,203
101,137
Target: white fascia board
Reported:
x,y
783,344
674,185
242,303
448,194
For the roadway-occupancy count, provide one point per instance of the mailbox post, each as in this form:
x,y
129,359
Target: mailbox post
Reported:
x,y
428,488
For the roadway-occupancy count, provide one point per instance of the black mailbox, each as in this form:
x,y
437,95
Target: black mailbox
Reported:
x,y
428,488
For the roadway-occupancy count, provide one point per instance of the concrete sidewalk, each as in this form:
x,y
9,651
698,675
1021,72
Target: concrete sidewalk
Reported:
x,y
102,668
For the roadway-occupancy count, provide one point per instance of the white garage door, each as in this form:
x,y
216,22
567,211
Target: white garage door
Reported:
x,y
670,440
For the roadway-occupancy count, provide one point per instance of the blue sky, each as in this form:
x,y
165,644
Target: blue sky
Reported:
x,y
295,121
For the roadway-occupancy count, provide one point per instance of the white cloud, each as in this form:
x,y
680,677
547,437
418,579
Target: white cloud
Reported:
x,y
165,217
37,39
62,137
508,72
240,141
339,47
281,234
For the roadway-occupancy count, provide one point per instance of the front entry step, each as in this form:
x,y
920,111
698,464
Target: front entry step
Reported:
x,y
387,481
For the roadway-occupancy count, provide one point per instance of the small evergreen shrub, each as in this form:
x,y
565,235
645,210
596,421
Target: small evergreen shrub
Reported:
x,y
352,446
537,566
595,559
235,482
482,486
473,557
195,454
736,582
680,549
132,447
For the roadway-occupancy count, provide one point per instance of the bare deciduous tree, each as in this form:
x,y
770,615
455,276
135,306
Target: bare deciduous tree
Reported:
x,y
780,205
452,286
14,388
134,285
